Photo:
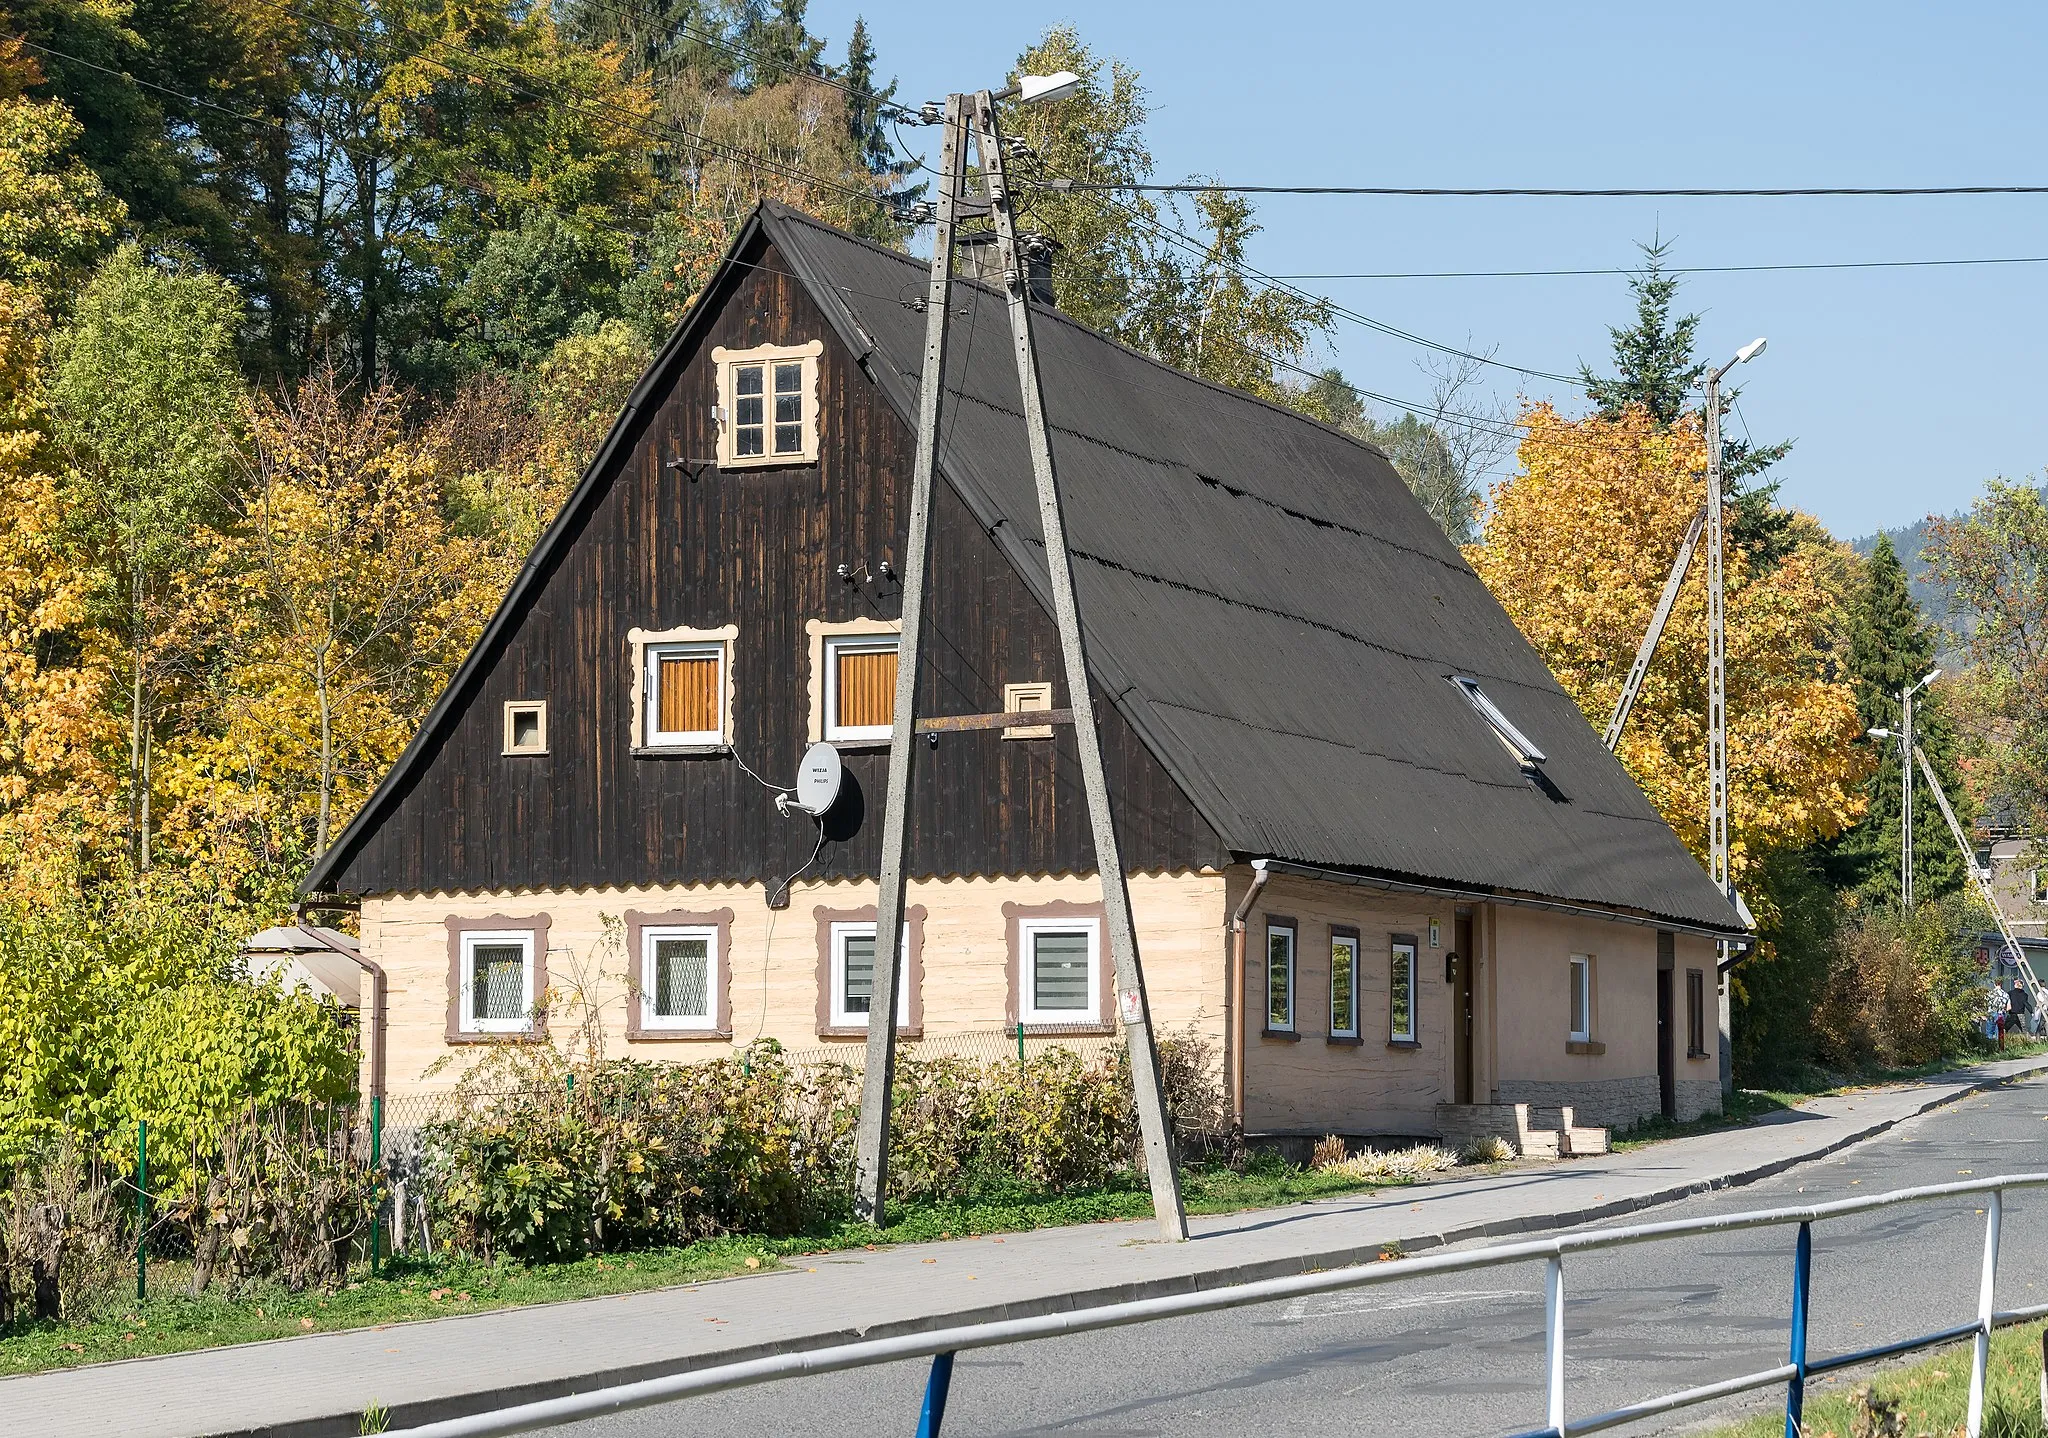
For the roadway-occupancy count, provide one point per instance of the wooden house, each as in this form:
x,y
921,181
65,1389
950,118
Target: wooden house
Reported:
x,y
1378,858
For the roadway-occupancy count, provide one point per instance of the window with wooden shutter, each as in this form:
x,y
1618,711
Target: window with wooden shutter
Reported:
x,y
860,679
685,694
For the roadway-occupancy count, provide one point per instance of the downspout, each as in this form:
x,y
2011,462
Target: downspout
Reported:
x,y
368,966
1233,992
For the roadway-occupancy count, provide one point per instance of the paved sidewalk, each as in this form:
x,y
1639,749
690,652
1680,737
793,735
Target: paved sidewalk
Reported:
x,y
316,1386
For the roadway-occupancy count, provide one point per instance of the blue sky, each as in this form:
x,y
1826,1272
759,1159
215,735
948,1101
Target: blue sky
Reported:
x,y
1906,389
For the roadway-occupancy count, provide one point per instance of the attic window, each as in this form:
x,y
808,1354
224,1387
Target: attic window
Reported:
x,y
1512,739
767,406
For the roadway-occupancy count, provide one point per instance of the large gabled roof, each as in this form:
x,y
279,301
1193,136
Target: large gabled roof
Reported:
x,y
1266,603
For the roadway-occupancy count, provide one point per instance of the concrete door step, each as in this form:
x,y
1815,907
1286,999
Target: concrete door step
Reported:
x,y
1535,1130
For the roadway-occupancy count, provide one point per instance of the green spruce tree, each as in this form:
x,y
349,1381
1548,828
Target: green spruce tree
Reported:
x,y
1655,367
1891,646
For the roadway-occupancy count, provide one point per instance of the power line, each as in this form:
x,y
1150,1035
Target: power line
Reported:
x,y
1532,192
1670,270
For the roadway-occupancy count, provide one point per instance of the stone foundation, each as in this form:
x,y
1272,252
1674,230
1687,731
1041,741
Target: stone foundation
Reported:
x,y
1697,1097
1606,1103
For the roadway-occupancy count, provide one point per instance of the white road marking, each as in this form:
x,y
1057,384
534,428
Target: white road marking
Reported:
x,y
1347,1305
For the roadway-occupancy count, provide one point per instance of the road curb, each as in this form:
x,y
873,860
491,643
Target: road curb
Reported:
x,y
407,1415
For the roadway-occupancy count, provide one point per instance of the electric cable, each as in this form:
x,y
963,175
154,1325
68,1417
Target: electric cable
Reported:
x,y
1560,192
1672,270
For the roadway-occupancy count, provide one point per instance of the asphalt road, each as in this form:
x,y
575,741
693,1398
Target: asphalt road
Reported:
x,y
1464,1355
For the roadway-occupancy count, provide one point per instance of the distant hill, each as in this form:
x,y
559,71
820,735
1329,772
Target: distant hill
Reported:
x,y
1909,540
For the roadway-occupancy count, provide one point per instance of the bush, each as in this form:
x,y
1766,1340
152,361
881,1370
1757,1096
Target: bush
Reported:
x,y
1902,989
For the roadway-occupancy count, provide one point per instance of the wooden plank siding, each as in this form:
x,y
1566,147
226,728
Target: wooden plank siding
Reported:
x,y
693,546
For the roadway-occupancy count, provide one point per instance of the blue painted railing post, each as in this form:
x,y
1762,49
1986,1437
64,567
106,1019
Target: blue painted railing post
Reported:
x,y
935,1389
1802,1282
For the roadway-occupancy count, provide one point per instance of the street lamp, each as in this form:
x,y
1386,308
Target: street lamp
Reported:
x,y
1717,683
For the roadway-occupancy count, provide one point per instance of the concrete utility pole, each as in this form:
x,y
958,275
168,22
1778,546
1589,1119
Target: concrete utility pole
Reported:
x,y
1717,689
1907,749
871,1144
962,114
1109,867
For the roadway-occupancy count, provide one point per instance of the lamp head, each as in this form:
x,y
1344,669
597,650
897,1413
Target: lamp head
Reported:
x,y
1879,733
1056,86
1750,351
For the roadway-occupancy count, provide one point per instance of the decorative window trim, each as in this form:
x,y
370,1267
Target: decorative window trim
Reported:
x,y
514,707
727,362
817,690
642,640
1402,949
638,1029
1580,977
1280,923
1344,934
910,1022
1022,699
535,929
1020,921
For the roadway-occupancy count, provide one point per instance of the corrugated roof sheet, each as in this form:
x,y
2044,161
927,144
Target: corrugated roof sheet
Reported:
x,y
1272,609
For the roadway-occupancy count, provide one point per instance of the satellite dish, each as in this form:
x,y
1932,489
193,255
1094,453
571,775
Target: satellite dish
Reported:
x,y
818,779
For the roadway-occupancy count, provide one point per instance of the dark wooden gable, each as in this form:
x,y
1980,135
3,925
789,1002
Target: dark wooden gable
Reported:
x,y
656,545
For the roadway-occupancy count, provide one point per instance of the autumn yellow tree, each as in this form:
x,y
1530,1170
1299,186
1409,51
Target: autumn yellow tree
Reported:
x,y
1577,547
340,599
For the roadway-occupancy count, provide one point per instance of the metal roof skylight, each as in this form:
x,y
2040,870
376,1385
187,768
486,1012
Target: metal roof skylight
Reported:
x,y
1512,739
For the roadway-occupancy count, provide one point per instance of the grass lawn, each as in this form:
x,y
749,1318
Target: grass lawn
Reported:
x,y
1931,1396
411,1288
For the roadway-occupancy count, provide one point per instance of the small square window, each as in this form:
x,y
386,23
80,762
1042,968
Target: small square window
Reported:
x,y
526,726
860,687
1401,991
1062,979
685,688
497,981
767,407
1280,977
1582,998
1343,985
853,976
1022,699
678,978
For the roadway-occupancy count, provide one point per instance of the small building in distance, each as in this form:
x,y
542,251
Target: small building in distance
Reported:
x,y
1379,860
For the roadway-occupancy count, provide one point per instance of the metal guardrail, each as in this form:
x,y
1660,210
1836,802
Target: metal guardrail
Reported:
x,y
940,1345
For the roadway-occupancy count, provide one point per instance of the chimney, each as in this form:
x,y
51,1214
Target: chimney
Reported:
x,y
979,260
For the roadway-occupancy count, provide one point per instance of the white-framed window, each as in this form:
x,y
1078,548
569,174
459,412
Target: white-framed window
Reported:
x,y
2037,883
1343,984
1401,990
679,977
526,726
1022,699
497,981
860,686
768,404
1061,981
683,687
853,975
1582,998
1279,977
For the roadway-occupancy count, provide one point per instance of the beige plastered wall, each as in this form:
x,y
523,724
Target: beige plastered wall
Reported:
x,y
1310,1086
1531,1016
774,960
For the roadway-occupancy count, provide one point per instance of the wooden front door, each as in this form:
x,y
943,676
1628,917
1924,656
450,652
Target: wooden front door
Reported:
x,y
1667,1064
1462,1026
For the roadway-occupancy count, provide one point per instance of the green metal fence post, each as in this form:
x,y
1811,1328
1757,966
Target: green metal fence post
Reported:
x,y
1020,1043
376,1178
571,1077
141,1210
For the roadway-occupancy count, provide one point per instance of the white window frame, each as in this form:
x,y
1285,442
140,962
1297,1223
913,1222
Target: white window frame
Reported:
x,y
835,645
842,1017
472,940
516,707
1028,1011
1293,964
1346,940
727,410
1580,981
650,1021
1397,955
648,645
